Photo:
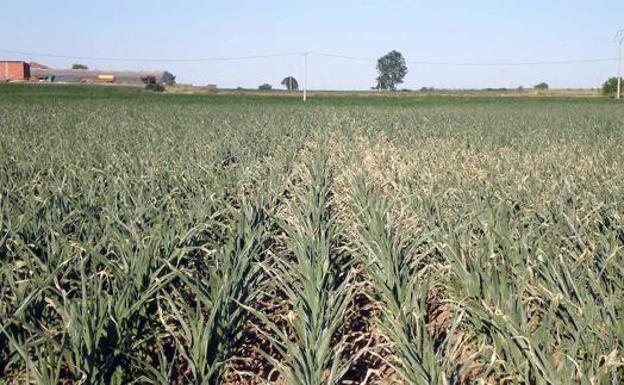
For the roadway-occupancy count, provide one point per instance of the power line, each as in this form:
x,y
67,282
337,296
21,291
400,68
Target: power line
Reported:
x,y
336,56
318,54
602,39
143,60
474,64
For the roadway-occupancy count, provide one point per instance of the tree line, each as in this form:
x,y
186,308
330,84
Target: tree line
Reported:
x,y
391,72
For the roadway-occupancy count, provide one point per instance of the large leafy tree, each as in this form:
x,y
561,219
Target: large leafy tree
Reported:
x,y
610,86
391,69
168,78
290,83
542,86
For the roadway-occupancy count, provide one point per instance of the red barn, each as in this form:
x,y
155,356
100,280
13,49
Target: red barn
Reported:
x,y
14,71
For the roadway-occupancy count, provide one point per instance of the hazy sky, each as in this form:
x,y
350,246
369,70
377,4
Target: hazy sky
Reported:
x,y
445,31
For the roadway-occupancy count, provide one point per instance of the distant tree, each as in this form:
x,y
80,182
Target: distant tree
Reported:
x,y
542,86
391,69
167,78
78,66
265,87
290,83
609,87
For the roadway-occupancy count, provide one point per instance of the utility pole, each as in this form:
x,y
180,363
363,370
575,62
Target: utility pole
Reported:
x,y
305,76
619,38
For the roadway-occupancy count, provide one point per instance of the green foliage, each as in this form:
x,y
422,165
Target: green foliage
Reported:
x,y
391,256
79,67
167,78
391,69
265,87
290,83
609,87
316,279
541,87
203,239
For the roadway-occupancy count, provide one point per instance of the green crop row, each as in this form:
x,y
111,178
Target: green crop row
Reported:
x,y
180,240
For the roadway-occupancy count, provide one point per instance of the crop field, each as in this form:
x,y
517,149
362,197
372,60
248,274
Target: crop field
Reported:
x,y
223,239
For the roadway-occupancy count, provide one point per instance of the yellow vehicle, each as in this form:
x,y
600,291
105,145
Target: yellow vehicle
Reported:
x,y
106,79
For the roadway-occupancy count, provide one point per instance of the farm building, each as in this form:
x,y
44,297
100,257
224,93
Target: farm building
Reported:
x,y
38,66
23,71
95,76
14,71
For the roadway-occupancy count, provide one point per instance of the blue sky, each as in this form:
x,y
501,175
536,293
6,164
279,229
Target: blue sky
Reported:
x,y
448,31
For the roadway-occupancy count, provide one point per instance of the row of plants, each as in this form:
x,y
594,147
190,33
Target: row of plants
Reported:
x,y
146,241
